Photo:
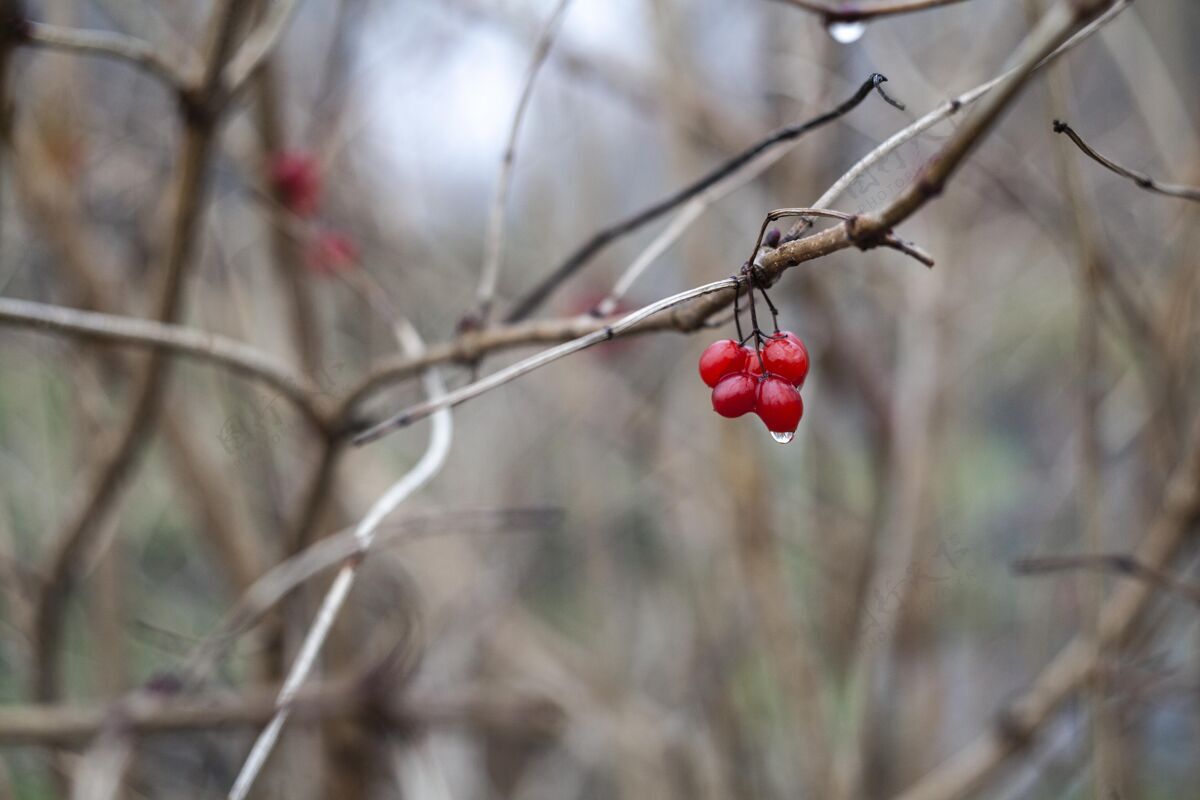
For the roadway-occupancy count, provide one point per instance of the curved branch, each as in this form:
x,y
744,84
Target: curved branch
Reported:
x,y
1140,178
107,44
239,358
832,11
365,532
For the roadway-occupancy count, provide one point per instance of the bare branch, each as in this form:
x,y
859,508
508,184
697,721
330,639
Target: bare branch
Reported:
x,y
494,244
65,726
944,111
109,44
471,390
863,231
833,11
602,238
1140,178
889,240
238,357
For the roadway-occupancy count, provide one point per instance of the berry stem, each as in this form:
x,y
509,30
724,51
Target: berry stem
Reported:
x,y
737,314
770,305
748,271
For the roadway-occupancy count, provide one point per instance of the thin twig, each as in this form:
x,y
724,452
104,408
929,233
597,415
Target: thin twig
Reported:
x,y
471,390
110,44
832,11
238,357
489,274
420,474
1140,178
602,238
1121,564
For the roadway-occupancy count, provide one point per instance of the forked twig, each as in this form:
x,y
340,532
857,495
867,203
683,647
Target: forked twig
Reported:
x,y
889,239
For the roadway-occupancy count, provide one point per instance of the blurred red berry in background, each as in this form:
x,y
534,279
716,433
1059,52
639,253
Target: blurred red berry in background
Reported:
x,y
296,178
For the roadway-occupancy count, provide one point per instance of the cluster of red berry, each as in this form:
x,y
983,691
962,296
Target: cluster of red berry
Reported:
x,y
296,178
766,381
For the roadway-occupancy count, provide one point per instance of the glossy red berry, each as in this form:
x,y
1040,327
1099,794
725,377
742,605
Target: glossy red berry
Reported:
x,y
720,359
753,364
786,356
734,395
778,405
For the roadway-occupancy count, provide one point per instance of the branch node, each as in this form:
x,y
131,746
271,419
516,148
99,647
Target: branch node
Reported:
x,y
865,232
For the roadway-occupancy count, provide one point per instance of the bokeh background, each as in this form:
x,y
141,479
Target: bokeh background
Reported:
x,y
683,605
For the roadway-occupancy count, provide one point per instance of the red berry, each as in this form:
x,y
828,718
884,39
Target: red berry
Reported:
x,y
753,365
720,359
786,356
778,405
734,395
296,177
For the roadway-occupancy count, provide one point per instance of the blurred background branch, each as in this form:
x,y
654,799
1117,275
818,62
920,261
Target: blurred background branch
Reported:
x,y
213,222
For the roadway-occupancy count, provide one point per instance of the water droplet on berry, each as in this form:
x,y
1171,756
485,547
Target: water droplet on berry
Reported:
x,y
783,437
846,32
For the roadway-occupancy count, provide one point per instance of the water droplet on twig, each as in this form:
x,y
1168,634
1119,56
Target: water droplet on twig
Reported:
x,y
846,32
